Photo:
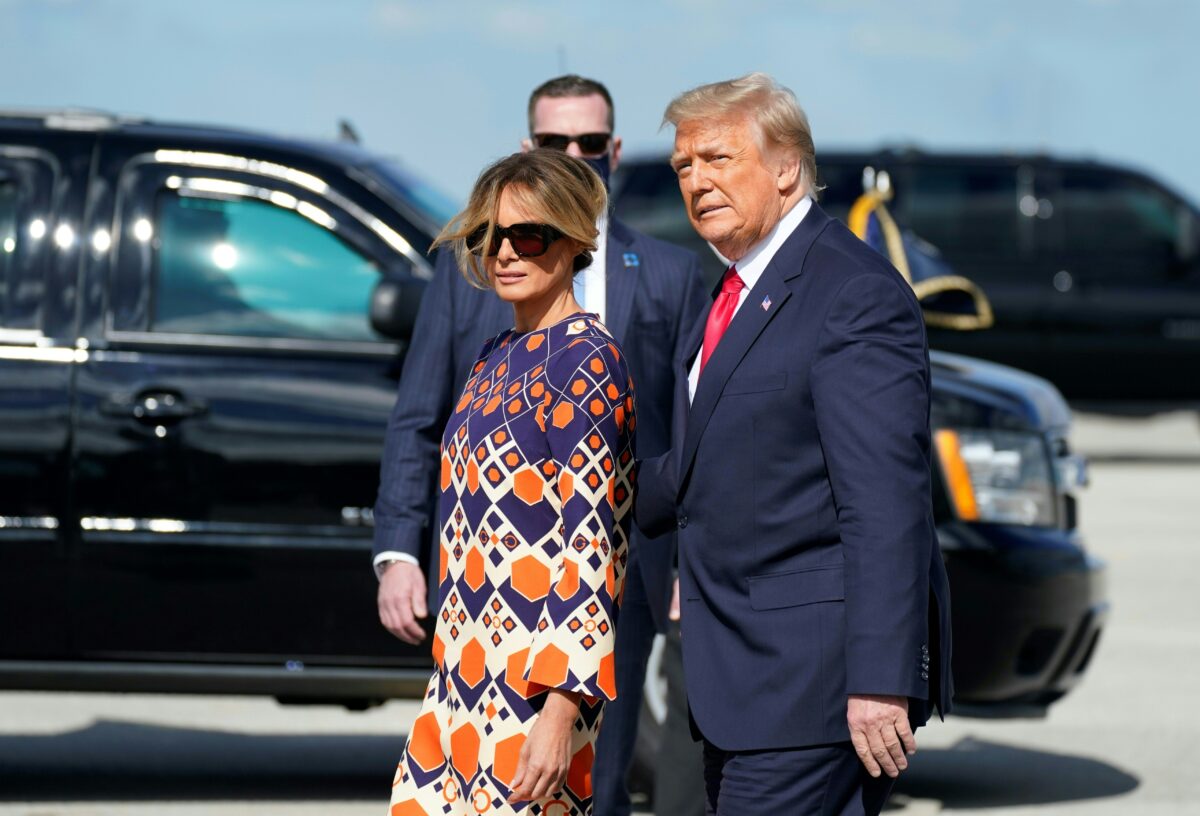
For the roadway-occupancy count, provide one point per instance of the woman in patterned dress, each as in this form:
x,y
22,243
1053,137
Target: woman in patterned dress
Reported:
x,y
536,488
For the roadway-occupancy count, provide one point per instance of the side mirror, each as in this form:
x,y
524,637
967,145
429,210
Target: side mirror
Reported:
x,y
394,307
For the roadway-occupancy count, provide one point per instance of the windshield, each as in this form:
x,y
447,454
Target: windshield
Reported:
x,y
432,203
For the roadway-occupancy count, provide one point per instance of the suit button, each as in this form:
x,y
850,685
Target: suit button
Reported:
x,y
924,675
682,522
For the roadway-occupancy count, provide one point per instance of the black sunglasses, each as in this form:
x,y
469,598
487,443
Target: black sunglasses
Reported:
x,y
527,240
591,144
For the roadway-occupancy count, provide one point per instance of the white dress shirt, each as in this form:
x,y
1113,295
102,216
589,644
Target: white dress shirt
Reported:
x,y
591,289
751,266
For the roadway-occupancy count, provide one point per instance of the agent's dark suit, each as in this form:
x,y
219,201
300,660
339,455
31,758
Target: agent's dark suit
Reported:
x,y
799,483
654,296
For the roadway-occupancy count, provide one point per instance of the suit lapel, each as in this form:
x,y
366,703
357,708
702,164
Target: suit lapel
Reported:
x,y
743,330
622,268
765,300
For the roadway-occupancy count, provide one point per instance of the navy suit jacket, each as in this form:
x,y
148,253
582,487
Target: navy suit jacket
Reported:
x,y
654,296
799,484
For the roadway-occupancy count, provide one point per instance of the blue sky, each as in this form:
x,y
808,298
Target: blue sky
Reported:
x,y
443,85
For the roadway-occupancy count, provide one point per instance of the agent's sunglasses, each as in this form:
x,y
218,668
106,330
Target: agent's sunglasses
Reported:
x,y
590,144
527,240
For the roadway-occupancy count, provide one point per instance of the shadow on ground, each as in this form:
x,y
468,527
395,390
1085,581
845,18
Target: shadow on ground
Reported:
x,y
979,774
122,761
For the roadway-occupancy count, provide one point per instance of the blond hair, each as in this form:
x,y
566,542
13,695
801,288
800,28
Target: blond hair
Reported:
x,y
776,113
553,187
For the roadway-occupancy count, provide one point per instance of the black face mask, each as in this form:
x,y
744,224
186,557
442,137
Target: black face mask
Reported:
x,y
602,165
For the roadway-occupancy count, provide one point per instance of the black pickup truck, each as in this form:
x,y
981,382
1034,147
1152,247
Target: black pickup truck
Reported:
x,y
201,332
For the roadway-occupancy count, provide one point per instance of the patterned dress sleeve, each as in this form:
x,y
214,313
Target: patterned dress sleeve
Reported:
x,y
589,429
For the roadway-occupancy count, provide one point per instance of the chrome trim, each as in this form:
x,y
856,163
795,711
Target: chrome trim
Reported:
x,y
225,161
24,337
245,343
43,355
28,523
32,345
103,524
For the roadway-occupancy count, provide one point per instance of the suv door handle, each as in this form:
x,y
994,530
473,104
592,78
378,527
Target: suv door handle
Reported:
x,y
154,407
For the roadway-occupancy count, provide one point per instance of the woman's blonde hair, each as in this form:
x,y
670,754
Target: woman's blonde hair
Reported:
x,y
553,187
780,119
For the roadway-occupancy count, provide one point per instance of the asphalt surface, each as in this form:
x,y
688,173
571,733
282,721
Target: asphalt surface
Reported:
x,y
1123,743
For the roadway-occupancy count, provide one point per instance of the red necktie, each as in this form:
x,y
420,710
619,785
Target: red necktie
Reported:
x,y
721,313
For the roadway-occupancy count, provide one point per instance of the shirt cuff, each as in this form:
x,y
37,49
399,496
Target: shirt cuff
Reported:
x,y
392,555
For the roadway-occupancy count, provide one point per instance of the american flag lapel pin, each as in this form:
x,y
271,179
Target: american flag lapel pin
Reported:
x,y
766,304
631,259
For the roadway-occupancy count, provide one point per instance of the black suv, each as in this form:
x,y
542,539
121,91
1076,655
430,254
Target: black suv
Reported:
x,y
201,332
1093,270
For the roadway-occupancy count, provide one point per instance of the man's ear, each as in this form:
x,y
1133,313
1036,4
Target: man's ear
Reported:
x,y
614,156
787,174
526,145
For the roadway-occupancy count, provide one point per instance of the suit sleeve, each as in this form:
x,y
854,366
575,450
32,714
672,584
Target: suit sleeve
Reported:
x,y
654,502
657,482
870,385
590,439
423,402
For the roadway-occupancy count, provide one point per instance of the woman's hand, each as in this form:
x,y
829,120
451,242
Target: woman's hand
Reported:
x,y
546,755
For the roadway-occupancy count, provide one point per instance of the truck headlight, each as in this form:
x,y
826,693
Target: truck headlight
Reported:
x,y
1004,477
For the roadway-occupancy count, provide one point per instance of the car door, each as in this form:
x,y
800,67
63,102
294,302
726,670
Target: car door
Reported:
x,y
1126,311
41,179
231,415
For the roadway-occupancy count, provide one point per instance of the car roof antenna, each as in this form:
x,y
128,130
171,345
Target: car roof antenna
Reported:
x,y
347,133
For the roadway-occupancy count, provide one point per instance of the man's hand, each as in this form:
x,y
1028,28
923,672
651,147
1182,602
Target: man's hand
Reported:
x,y
545,757
880,732
401,601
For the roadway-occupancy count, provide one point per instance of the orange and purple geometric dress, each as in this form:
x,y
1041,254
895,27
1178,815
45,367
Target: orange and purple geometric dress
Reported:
x,y
536,489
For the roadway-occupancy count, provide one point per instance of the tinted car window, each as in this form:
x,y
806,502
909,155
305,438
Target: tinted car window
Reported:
x,y
8,239
647,197
963,210
436,206
1110,214
842,183
246,267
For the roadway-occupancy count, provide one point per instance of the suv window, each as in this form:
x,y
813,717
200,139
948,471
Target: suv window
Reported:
x,y
1107,214
8,240
842,182
962,210
246,267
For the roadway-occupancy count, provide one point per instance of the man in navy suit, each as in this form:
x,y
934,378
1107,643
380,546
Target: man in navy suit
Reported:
x,y
815,607
649,294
